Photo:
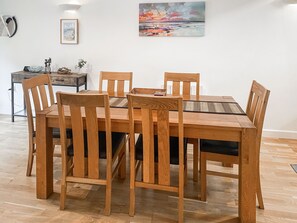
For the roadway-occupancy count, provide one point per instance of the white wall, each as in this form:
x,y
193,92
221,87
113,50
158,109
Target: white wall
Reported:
x,y
244,40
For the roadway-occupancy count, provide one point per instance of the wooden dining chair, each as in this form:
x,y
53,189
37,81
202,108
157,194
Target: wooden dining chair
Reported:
x,y
224,151
90,146
155,147
38,94
181,84
115,82
116,85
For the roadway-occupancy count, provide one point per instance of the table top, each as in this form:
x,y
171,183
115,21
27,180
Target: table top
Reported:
x,y
230,123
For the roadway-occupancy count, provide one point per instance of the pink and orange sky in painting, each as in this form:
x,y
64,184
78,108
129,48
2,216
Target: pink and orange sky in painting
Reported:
x,y
166,12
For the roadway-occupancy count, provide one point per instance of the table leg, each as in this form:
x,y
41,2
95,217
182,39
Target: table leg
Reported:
x,y
44,158
12,101
247,177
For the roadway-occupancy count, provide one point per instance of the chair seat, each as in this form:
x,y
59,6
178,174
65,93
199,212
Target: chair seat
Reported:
x,y
116,141
173,149
220,147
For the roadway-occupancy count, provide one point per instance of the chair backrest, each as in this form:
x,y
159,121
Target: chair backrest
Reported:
x,y
155,121
40,90
79,112
115,82
256,107
186,79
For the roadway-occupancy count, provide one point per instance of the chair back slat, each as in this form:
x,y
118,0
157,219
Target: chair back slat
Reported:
x,y
111,87
163,147
93,142
176,88
121,86
43,97
36,98
148,146
254,99
184,79
83,115
257,111
115,82
186,88
78,141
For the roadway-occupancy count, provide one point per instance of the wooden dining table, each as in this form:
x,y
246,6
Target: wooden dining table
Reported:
x,y
200,125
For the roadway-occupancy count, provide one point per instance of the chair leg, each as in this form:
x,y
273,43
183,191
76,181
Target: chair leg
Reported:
x,y
63,181
181,196
181,208
108,187
132,202
63,194
69,166
108,198
122,168
122,155
259,193
30,159
186,171
133,173
203,176
195,160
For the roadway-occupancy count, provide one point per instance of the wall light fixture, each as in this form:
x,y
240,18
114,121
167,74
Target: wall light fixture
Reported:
x,y
69,7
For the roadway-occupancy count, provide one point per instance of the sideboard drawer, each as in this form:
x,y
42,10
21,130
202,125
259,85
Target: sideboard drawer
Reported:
x,y
69,81
18,78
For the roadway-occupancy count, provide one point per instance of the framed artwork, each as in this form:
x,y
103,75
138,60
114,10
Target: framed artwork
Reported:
x,y
172,19
69,31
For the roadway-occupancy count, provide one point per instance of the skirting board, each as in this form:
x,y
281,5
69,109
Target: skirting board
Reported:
x,y
279,134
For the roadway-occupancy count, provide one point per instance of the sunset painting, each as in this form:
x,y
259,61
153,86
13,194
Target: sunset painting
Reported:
x,y
172,19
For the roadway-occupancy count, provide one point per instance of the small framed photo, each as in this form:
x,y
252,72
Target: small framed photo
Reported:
x,y
69,31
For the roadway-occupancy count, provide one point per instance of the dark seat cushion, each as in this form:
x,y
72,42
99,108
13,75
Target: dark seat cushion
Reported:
x,y
220,147
56,133
173,149
116,140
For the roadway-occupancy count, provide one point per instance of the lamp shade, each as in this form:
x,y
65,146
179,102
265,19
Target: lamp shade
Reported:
x,y
67,7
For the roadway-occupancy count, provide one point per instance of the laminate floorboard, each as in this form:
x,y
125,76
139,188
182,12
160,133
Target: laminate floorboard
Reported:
x,y
85,203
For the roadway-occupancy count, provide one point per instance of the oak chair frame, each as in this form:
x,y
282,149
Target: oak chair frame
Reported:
x,y
186,79
40,90
155,108
83,110
256,109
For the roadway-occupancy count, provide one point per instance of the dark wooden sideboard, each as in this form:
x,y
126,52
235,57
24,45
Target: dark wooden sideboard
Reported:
x,y
68,80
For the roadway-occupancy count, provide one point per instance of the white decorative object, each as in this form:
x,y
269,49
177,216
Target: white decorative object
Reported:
x,y
8,25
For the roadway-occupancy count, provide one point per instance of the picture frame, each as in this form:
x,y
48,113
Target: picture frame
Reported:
x,y
172,19
69,31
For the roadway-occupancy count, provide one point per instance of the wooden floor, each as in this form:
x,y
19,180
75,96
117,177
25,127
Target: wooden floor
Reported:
x,y
85,203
